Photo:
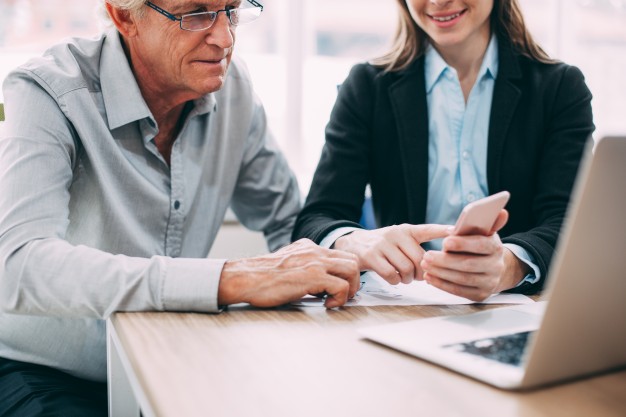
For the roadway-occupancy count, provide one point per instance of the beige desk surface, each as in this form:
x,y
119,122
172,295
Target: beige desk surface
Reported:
x,y
312,362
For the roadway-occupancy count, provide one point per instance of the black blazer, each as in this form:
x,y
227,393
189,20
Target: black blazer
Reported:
x,y
378,134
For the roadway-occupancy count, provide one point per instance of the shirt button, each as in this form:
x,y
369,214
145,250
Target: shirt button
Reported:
x,y
471,197
466,155
176,205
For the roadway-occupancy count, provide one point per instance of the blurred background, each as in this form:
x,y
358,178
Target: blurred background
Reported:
x,y
300,50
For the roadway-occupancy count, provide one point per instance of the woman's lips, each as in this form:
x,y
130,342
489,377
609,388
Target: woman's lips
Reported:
x,y
447,19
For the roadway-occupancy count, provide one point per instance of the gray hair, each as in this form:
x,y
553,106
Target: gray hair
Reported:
x,y
133,6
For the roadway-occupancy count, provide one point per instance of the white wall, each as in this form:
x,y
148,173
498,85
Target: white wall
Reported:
x,y
235,241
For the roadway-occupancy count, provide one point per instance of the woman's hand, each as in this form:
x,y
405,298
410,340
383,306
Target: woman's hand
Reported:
x,y
474,267
392,252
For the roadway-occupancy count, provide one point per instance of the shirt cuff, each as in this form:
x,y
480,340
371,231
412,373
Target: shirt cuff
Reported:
x,y
191,284
523,255
330,238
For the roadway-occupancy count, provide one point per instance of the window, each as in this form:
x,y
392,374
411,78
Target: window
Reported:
x,y
300,51
590,34
28,27
299,55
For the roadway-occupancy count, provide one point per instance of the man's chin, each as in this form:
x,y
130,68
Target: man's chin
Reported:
x,y
203,85
212,86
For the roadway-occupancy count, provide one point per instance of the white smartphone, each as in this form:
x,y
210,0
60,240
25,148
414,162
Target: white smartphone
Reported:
x,y
479,217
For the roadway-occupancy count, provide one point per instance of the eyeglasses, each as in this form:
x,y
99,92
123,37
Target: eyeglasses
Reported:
x,y
204,20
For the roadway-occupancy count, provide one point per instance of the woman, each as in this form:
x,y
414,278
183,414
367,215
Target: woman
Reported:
x,y
464,105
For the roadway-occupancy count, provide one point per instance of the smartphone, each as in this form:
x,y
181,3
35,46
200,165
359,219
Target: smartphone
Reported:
x,y
479,217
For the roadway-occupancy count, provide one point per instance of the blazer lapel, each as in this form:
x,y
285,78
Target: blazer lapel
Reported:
x,y
408,100
506,96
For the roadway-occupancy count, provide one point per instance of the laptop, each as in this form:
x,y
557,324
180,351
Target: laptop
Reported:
x,y
579,327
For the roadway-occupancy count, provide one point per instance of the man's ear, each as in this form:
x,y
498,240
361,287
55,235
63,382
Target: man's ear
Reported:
x,y
122,19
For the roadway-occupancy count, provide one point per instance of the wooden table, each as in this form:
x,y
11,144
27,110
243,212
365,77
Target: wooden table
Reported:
x,y
311,362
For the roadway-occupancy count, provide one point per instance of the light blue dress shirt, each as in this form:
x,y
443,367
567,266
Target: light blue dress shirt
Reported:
x,y
458,136
93,220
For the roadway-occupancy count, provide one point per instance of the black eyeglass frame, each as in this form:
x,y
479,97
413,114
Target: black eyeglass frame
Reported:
x,y
174,18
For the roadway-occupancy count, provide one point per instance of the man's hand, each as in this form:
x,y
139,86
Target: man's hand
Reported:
x,y
392,252
474,267
289,274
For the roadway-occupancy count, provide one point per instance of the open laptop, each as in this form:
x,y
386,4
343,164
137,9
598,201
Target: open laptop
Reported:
x,y
580,329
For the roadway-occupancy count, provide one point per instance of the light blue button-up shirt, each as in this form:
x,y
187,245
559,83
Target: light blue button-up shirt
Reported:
x,y
458,133
92,218
458,137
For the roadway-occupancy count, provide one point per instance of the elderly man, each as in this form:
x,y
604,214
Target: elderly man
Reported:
x,y
119,157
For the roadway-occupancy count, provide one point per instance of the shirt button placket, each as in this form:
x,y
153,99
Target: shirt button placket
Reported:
x,y
175,227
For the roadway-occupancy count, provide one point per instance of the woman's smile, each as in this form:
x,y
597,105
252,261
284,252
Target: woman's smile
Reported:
x,y
446,19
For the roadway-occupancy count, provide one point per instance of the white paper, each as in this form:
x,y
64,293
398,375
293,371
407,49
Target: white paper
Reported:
x,y
375,291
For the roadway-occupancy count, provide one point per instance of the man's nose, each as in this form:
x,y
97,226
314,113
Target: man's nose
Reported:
x,y
220,34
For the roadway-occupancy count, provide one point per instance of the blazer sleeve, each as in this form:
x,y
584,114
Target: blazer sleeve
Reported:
x,y
338,187
569,124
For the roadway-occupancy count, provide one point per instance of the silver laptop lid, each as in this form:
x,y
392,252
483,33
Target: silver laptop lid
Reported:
x,y
584,326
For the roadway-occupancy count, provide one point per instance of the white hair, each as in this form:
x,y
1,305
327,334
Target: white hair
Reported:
x,y
133,6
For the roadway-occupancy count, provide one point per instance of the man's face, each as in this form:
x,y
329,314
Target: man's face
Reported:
x,y
180,63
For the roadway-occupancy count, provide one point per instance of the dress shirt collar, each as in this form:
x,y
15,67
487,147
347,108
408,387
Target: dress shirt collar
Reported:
x,y
435,67
122,97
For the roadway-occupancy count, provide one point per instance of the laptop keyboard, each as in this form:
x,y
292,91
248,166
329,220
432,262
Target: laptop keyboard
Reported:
x,y
506,349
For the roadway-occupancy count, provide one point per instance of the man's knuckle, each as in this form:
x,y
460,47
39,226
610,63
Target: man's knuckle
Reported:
x,y
405,269
353,265
303,242
392,276
315,266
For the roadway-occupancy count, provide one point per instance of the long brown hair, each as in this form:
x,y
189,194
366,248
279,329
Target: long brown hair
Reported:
x,y
507,21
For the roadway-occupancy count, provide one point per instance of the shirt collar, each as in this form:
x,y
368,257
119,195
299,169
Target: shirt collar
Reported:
x,y
123,101
491,59
122,98
435,67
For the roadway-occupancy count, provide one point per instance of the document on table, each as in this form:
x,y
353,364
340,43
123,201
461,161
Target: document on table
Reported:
x,y
375,291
